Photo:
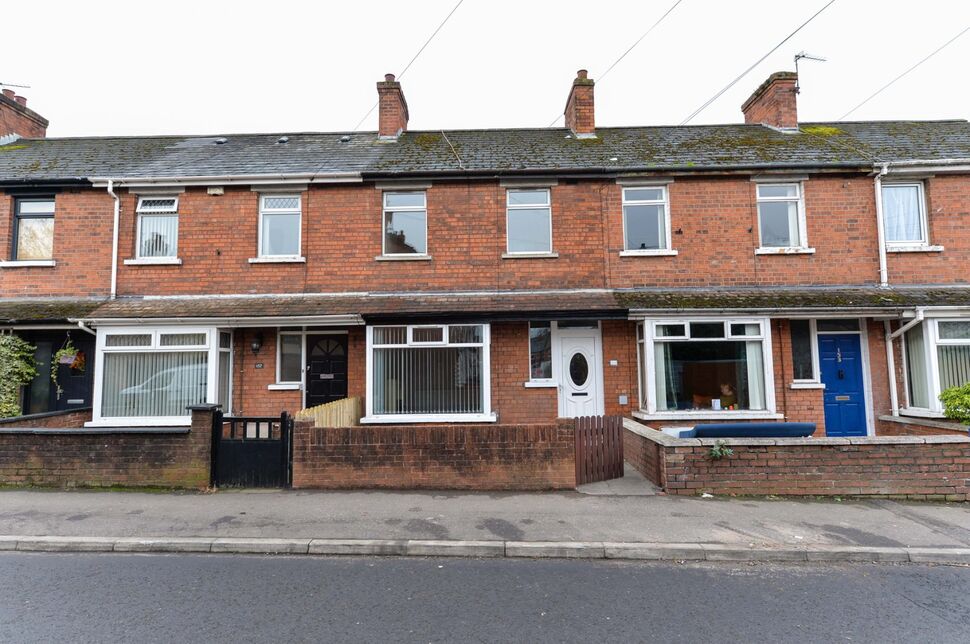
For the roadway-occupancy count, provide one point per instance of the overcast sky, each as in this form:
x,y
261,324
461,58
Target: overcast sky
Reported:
x,y
176,67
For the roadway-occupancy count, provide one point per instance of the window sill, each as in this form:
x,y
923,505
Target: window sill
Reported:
x,y
277,260
145,421
153,261
284,386
807,385
659,252
26,263
530,255
914,249
920,413
538,384
428,418
403,258
705,414
784,251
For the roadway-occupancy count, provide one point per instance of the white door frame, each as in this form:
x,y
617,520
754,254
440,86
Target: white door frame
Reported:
x,y
596,369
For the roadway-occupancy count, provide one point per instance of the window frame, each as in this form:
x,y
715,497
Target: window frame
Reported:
x,y
18,216
802,220
487,415
280,211
646,376
140,213
815,382
289,384
509,208
552,380
385,210
931,342
667,249
923,214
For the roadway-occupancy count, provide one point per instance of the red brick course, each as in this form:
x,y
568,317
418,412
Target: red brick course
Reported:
x,y
67,419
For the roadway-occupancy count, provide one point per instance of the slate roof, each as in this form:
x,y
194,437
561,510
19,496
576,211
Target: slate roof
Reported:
x,y
622,149
25,310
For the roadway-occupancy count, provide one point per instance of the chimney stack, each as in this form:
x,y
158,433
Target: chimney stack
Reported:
x,y
392,108
774,103
579,107
17,118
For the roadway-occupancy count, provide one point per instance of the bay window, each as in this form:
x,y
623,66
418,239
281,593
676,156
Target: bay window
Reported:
x,y
936,354
428,372
706,366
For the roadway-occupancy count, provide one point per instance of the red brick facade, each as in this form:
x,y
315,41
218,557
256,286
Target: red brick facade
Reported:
x,y
17,118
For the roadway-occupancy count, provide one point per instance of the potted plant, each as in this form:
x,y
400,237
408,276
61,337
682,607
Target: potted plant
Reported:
x,y
956,403
69,356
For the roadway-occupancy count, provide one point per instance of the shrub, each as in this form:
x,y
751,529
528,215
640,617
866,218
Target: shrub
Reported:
x,y
956,403
17,368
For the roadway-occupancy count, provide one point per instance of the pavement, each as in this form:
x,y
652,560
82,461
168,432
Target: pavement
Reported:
x,y
553,524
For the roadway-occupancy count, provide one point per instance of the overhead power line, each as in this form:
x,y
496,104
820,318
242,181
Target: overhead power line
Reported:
x,y
756,63
411,62
893,81
616,62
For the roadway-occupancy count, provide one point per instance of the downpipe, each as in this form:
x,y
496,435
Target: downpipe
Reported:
x,y
114,239
880,229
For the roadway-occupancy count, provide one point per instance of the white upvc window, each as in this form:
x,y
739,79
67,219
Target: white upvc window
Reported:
x,y
158,227
528,221
428,373
781,217
646,220
290,357
541,353
405,224
904,214
706,368
936,356
280,227
804,353
149,375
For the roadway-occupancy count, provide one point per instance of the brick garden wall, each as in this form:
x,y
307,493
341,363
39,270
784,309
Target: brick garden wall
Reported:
x,y
62,419
467,457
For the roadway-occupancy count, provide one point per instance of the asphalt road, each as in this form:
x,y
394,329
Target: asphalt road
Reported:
x,y
212,598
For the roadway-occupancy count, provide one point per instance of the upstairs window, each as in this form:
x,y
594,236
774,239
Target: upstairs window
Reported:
x,y
158,227
904,214
645,219
33,230
405,223
781,215
529,221
280,226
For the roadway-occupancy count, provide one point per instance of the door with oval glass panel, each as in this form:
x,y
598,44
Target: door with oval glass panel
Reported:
x,y
326,370
580,386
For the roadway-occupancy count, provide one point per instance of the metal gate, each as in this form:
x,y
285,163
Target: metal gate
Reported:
x,y
252,451
599,448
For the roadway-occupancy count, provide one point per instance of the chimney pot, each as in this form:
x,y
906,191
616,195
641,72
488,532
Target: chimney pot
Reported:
x,y
389,78
392,111
774,103
582,73
579,113
20,99
9,93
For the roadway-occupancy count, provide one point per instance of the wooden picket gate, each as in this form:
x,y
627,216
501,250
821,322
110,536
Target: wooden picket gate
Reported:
x,y
599,448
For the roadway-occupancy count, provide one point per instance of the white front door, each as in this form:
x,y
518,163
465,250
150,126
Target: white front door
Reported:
x,y
580,383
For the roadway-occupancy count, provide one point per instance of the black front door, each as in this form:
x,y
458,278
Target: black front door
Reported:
x,y
326,370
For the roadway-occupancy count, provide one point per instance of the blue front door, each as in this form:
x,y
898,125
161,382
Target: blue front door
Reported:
x,y
840,362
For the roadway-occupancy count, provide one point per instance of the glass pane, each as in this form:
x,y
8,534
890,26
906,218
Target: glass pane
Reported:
x,y
671,330
281,203
529,231
578,369
707,329
779,224
405,233
540,351
710,375
181,339
837,325
645,227
168,204
954,330
916,370
643,194
35,238
468,334
153,384
444,380
137,340
954,365
746,328
427,334
225,340
528,197
390,335
775,190
38,400
801,350
901,209
404,200
37,207
159,236
281,235
225,372
291,358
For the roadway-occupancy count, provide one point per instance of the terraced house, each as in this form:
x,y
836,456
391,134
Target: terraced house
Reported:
x,y
767,270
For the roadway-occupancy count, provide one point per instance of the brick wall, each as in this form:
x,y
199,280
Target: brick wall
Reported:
x,y
139,457
468,457
511,399
63,419
17,118
928,468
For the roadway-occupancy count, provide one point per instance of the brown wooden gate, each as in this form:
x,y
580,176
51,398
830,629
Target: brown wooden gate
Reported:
x,y
599,448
